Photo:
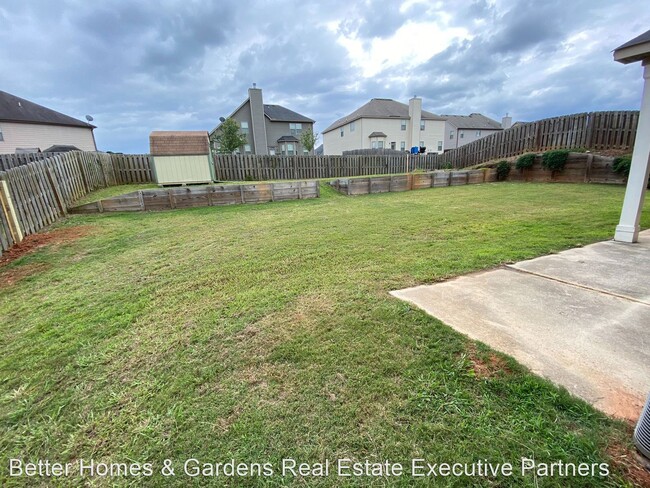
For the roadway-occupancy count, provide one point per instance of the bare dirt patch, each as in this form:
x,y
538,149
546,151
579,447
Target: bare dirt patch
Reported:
x,y
627,462
41,239
12,276
486,365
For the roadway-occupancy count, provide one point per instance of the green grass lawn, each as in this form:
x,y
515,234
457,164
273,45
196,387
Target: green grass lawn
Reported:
x,y
263,332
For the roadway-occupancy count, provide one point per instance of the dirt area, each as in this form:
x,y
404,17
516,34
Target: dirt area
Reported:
x,y
48,238
627,461
486,365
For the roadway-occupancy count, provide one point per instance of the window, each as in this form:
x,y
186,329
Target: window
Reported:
x,y
2,138
290,151
244,127
402,146
421,124
451,135
305,151
271,151
478,133
461,134
247,148
341,131
380,144
374,144
351,126
392,146
439,146
295,129
403,126
422,144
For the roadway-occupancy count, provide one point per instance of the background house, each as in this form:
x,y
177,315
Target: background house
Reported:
x,y
25,125
383,123
462,129
269,129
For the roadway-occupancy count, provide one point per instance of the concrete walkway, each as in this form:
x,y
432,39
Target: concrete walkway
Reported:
x,y
580,318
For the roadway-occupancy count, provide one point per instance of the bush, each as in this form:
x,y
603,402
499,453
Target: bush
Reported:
x,y
503,170
555,160
446,166
525,161
622,165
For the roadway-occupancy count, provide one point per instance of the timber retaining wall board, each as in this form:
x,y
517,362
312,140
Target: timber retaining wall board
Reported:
x,y
203,196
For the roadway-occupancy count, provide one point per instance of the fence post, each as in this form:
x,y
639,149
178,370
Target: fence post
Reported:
x,y
10,212
590,160
57,191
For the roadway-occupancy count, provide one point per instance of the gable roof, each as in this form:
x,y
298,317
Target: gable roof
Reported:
x,y
472,121
380,108
16,109
275,113
278,113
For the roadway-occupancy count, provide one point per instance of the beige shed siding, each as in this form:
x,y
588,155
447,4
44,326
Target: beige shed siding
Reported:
x,y
182,169
334,144
21,135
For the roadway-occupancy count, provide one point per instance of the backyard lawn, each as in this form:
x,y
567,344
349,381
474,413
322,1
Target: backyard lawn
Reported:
x,y
263,332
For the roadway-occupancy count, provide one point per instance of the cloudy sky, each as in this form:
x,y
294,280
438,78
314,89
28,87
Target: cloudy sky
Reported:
x,y
169,65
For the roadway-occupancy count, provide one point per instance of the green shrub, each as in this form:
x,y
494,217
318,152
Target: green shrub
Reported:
x,y
555,160
525,161
503,169
446,166
622,165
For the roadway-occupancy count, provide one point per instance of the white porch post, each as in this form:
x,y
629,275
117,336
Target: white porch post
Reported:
x,y
628,227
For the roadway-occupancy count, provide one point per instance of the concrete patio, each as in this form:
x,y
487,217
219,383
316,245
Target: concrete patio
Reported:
x,y
580,318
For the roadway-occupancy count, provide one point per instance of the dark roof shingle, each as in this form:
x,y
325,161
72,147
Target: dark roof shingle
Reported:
x,y
278,113
16,109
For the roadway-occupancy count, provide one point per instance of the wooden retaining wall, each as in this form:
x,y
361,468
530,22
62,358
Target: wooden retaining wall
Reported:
x,y
417,181
579,168
203,196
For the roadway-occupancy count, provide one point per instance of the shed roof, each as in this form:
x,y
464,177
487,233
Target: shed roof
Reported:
x,y
377,134
16,109
380,108
179,143
472,121
636,49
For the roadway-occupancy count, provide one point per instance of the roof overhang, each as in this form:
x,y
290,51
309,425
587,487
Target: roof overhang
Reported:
x,y
637,49
36,122
632,54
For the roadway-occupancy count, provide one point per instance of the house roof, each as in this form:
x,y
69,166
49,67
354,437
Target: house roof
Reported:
x,y
288,139
380,108
16,109
472,121
61,148
633,50
178,143
278,113
377,134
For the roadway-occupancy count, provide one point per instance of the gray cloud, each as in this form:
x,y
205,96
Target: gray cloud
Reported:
x,y
180,64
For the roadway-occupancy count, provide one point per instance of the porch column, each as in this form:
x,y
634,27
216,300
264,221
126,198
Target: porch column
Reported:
x,y
628,227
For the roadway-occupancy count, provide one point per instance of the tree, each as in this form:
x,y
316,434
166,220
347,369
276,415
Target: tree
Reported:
x,y
308,139
229,138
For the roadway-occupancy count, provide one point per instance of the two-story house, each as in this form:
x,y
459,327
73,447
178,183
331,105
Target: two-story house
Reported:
x,y
269,129
383,123
463,129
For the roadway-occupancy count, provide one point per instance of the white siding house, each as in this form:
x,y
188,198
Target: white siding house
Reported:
x,y
27,125
386,124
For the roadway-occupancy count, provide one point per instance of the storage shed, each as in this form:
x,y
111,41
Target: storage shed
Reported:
x,y
181,157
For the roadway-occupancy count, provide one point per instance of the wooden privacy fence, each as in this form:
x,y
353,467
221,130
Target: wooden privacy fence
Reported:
x,y
9,161
203,196
594,130
35,194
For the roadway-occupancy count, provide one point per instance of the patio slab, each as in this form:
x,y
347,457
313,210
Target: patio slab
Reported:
x,y
580,318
